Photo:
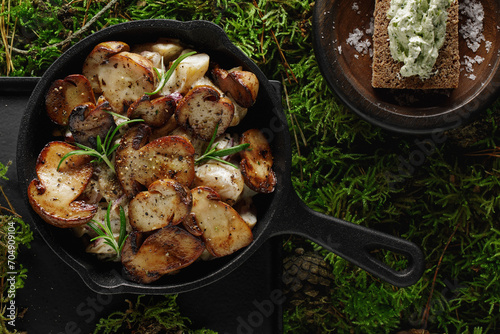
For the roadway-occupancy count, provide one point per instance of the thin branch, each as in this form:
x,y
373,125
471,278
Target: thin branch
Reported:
x,y
280,51
293,120
11,208
427,309
76,34
4,31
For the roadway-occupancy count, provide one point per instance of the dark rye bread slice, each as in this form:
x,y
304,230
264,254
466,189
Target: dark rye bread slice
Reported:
x,y
385,70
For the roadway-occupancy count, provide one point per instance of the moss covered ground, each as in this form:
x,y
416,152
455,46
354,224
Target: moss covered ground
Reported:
x,y
448,202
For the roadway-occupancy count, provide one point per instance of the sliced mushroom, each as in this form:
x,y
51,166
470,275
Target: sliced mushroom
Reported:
x,y
224,231
191,225
242,86
239,111
257,162
155,58
109,186
166,202
202,109
124,78
88,121
164,130
54,194
154,112
226,180
247,211
141,163
65,94
168,48
99,55
166,250
199,145
189,71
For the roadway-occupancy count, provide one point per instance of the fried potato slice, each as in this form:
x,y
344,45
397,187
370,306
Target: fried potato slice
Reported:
x,y
141,163
54,194
202,109
257,162
166,250
166,202
65,94
224,231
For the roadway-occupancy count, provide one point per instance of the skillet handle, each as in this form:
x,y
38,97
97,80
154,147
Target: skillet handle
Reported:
x,y
351,241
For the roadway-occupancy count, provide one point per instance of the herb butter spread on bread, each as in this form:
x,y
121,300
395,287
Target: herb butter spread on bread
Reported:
x,y
415,44
416,33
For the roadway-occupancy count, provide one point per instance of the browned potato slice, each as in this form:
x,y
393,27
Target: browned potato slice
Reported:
x,y
141,163
124,78
98,56
242,86
257,162
54,194
65,94
224,231
202,109
166,202
154,112
166,250
88,121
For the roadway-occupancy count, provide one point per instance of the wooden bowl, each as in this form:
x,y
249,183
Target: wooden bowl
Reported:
x,y
348,72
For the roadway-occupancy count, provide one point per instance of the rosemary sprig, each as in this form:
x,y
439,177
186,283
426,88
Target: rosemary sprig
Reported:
x,y
165,76
104,231
103,149
212,153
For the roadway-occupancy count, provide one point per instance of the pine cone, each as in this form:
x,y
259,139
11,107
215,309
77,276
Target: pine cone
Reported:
x,y
307,278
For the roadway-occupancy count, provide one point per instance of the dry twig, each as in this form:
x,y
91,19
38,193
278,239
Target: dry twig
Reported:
x,y
4,31
76,34
427,309
280,51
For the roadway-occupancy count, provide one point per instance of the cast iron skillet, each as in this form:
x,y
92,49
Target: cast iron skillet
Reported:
x,y
281,212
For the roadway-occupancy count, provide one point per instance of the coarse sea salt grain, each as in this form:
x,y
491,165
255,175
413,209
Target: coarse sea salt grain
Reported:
x,y
371,27
471,28
355,40
468,63
488,45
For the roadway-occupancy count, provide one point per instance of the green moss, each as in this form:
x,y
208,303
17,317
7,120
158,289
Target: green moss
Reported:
x,y
14,233
344,167
159,317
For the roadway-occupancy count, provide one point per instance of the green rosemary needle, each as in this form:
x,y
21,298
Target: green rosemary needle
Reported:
x,y
105,232
212,153
165,76
103,149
